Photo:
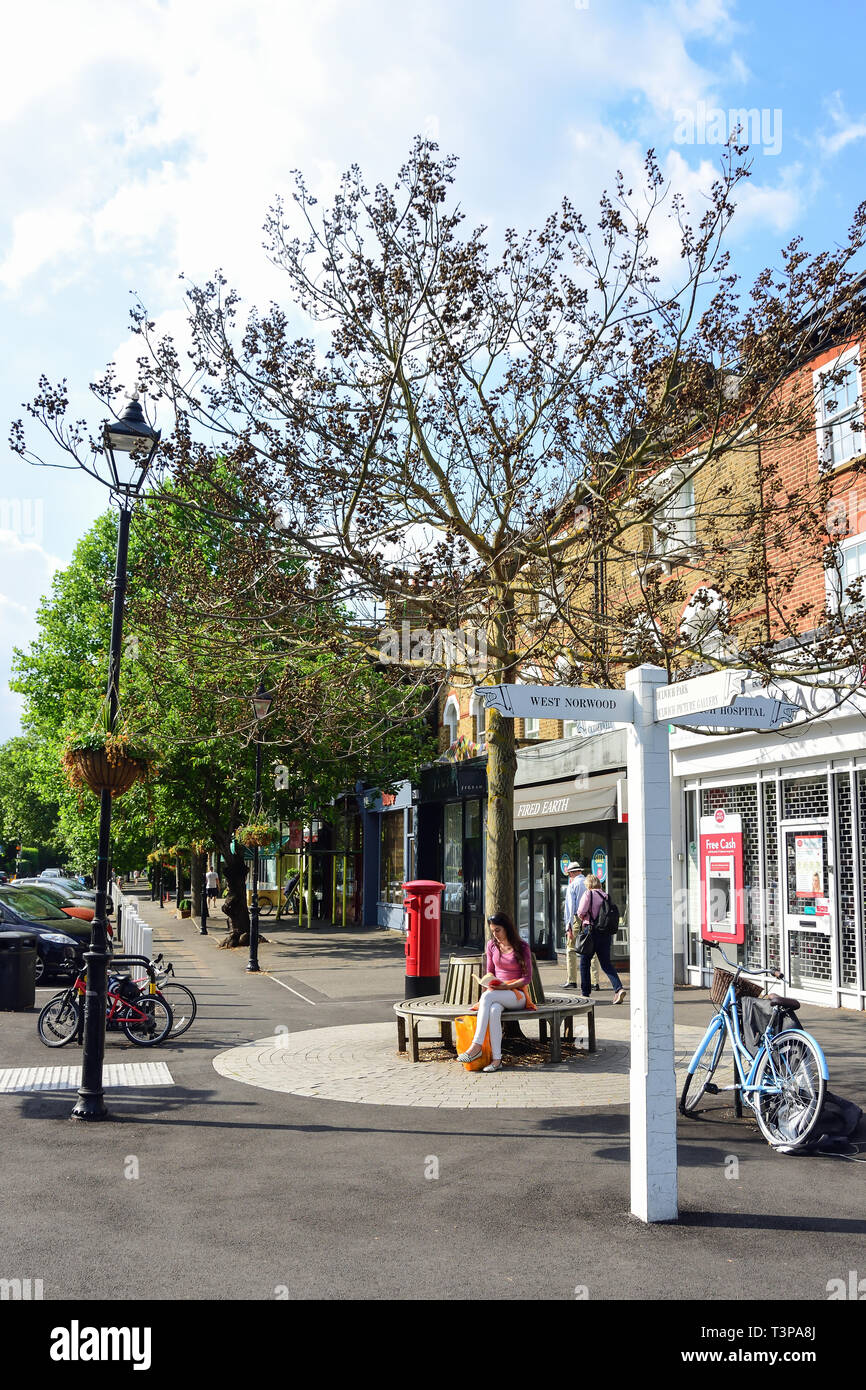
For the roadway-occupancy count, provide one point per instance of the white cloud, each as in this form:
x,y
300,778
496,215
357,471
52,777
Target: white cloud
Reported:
x,y
846,130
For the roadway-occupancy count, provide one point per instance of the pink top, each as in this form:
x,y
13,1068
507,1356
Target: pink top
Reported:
x,y
590,904
508,967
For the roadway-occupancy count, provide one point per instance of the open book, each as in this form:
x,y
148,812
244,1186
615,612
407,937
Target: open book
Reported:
x,y
484,980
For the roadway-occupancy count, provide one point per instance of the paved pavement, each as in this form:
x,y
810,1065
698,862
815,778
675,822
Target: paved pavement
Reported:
x,y
217,1188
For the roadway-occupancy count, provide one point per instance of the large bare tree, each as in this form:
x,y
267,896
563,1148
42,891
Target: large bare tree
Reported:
x,y
483,435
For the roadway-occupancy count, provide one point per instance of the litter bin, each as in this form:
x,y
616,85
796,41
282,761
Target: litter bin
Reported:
x,y
17,970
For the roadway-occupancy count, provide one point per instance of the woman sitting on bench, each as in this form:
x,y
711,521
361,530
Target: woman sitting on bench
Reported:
x,y
509,964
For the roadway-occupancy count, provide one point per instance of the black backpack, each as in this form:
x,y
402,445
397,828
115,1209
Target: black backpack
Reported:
x,y
607,920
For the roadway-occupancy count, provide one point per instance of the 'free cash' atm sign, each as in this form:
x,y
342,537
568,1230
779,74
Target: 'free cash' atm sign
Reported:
x,y
722,907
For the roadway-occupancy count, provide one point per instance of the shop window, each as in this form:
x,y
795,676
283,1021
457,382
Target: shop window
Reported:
x,y
392,876
523,886
453,874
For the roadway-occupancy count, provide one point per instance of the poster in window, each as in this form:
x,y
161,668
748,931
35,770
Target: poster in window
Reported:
x,y
809,866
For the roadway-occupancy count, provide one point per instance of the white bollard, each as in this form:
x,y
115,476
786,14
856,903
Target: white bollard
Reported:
x,y
652,1086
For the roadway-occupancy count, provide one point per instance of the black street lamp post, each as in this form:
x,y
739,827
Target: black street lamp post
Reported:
x,y
129,446
261,703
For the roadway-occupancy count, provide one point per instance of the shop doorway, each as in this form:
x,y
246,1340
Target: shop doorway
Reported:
x,y
809,908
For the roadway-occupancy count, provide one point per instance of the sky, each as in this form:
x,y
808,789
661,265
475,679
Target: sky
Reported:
x,y
143,139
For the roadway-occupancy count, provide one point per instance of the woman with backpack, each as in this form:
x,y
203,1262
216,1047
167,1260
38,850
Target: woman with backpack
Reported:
x,y
595,908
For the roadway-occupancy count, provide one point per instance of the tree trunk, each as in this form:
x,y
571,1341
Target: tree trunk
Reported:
x,y
235,905
178,874
501,770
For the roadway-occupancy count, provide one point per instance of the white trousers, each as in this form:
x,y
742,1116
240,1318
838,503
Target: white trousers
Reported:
x,y
493,1001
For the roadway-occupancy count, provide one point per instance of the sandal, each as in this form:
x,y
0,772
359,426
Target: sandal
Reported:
x,y
471,1055
495,1065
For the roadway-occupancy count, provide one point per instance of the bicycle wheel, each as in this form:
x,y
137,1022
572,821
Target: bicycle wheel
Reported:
x,y
156,1024
266,907
183,1006
697,1081
58,1021
787,1116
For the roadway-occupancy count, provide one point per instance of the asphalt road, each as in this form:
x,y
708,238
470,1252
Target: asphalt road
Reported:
x,y
217,1190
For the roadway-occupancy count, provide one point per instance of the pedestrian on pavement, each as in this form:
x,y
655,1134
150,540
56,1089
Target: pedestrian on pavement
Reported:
x,y
212,883
573,894
509,966
588,910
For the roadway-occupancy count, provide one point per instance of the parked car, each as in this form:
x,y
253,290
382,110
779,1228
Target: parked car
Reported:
x,y
73,904
57,950
70,886
52,873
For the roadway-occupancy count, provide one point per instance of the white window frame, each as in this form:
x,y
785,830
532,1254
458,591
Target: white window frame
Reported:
x,y
837,583
451,714
677,517
532,728
824,424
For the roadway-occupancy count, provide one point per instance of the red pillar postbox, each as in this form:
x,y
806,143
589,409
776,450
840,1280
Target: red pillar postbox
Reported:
x,y
424,916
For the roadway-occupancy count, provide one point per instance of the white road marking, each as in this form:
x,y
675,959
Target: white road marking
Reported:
x,y
13,1079
293,991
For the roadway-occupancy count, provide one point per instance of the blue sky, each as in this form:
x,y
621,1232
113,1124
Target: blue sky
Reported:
x,y
144,138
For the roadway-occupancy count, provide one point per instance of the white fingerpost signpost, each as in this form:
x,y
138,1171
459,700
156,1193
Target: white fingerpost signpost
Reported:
x,y
652,1081
648,706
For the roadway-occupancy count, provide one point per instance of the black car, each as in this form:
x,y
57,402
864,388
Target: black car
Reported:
x,y
58,949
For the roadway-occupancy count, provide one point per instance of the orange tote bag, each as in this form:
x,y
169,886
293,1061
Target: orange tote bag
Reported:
x,y
464,1032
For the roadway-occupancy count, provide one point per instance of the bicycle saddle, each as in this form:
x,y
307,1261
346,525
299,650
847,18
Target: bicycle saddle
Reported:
x,y
780,1002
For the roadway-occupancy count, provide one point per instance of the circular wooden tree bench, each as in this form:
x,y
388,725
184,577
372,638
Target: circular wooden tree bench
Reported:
x,y
556,1010
461,991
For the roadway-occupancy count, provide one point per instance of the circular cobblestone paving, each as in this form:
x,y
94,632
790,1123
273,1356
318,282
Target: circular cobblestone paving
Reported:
x,y
360,1064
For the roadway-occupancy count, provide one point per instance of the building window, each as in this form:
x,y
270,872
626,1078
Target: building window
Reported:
x,y
674,524
839,411
532,728
849,570
392,877
451,719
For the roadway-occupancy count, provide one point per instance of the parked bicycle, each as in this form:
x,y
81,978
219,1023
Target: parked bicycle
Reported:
x,y
783,1081
181,999
146,1019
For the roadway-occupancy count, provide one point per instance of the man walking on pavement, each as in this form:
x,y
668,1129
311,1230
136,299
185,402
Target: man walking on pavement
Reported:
x,y
573,894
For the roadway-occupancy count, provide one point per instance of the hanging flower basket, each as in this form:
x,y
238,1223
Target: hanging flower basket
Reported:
x,y
255,836
106,759
104,769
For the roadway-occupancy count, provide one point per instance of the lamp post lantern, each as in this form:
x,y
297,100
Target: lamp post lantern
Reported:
x,y
129,447
261,702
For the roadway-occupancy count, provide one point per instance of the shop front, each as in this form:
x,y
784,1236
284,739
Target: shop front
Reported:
x,y
800,800
451,818
388,854
574,814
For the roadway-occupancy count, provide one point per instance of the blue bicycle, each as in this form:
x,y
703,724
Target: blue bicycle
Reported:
x,y
783,1082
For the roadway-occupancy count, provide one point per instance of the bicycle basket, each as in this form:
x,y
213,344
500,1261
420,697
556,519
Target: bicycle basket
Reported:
x,y
721,983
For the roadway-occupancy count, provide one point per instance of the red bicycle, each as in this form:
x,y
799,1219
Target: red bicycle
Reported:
x,y
146,1019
